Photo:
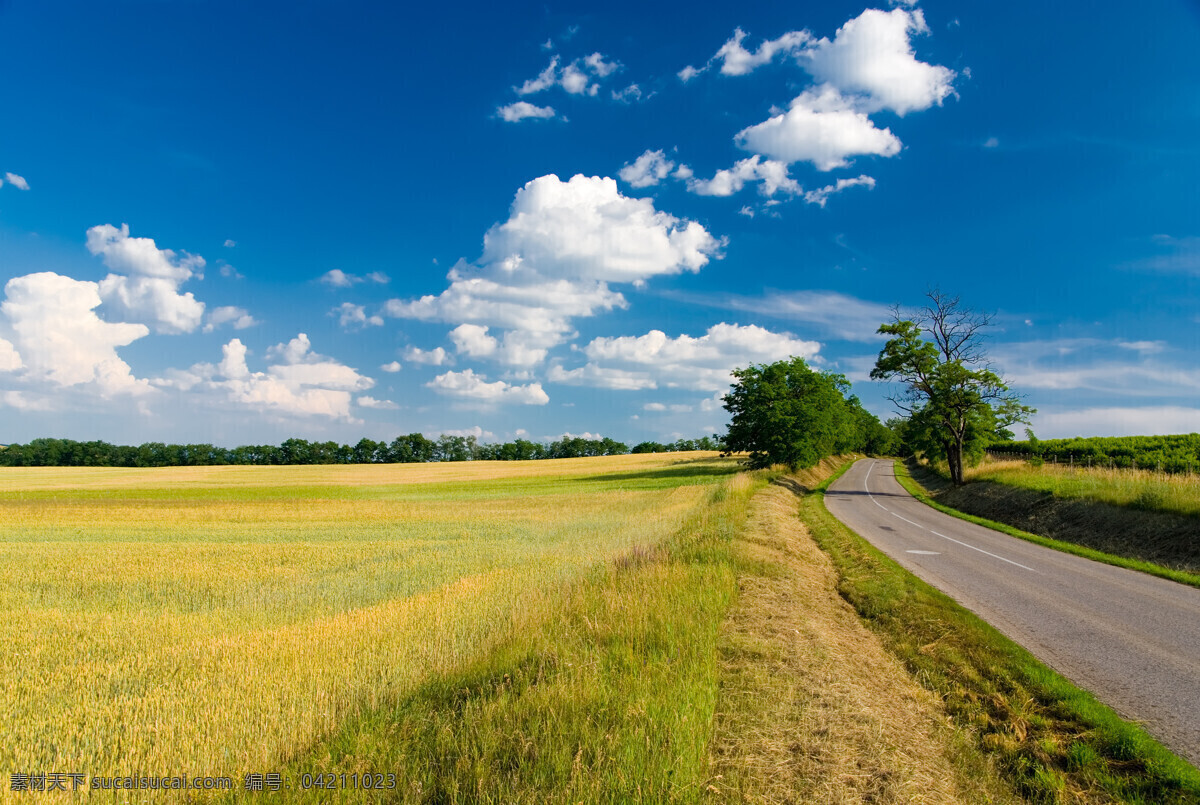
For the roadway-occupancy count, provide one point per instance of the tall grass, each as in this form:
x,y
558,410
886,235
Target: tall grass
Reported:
x,y
217,620
1141,489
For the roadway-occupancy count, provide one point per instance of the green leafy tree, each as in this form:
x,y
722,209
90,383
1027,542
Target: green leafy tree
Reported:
x,y
955,404
786,413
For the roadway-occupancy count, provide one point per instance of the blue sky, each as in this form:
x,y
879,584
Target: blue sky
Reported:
x,y
240,222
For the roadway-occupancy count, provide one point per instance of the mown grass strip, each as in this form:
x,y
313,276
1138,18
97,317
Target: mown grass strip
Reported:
x,y
914,488
606,694
1051,740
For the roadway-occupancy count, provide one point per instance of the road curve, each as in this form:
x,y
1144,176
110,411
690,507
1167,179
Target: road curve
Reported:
x,y
1130,639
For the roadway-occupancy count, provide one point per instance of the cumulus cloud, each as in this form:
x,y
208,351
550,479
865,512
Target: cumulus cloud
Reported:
x,y
772,175
239,318
736,60
392,367
299,383
574,77
701,363
821,195
354,317
336,278
470,386
16,181
648,169
602,377
432,357
473,341
10,360
871,58
61,340
553,260
147,290
520,110
822,127
380,405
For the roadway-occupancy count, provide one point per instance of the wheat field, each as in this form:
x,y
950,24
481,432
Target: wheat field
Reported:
x,y
215,620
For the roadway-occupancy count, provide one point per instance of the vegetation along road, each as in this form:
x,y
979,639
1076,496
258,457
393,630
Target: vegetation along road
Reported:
x,y
1131,639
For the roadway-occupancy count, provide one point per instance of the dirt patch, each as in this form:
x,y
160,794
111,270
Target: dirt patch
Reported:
x,y
1171,540
812,708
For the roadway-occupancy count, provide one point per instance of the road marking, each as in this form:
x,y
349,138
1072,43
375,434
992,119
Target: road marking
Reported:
x,y
866,489
925,553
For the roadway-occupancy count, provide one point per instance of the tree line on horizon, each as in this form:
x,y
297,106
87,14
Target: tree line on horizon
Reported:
x,y
406,449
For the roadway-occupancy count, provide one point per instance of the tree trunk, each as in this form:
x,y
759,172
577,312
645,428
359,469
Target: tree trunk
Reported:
x,y
954,452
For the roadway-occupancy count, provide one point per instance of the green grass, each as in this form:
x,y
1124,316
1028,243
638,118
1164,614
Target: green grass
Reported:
x,y
224,619
915,489
1052,741
1138,489
609,699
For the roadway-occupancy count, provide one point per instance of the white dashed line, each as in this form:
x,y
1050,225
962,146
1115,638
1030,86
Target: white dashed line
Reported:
x,y
867,478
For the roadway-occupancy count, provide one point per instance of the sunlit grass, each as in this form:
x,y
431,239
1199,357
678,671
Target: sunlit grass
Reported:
x,y
1144,489
217,619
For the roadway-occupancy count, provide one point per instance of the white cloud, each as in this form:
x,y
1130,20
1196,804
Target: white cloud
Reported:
x,y
872,59
16,181
833,314
545,79
1117,421
688,73
468,385
477,432
472,340
584,229
150,292
392,367
301,383
703,363
520,110
1180,255
820,196
23,401
230,243
575,81
596,63
371,402
351,316
553,260
648,169
230,272
140,256
432,357
238,317
631,94
574,78
602,377
1095,365
61,340
822,127
772,175
10,359
337,278
991,142
736,60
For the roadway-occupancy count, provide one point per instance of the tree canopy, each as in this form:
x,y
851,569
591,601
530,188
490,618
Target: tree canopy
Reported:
x,y
787,413
955,404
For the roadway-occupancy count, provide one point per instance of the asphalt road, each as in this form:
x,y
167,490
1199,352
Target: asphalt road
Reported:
x,y
1130,639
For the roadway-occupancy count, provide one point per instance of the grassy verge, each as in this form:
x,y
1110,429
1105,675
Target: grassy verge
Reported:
x,y
607,697
1144,490
1052,741
812,707
918,491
